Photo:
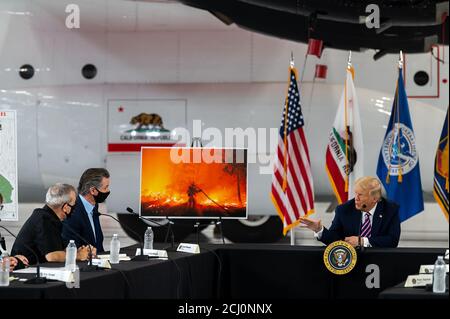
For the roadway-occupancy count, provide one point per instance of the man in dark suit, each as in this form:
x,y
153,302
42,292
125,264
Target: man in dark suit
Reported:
x,y
40,236
367,220
93,189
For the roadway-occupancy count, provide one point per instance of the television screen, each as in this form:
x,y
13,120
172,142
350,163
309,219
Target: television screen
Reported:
x,y
181,182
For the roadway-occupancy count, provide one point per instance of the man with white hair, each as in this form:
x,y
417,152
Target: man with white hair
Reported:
x,y
367,220
42,231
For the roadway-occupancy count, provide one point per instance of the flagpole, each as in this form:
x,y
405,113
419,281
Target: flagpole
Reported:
x,y
349,64
400,60
286,109
446,179
292,64
400,69
292,60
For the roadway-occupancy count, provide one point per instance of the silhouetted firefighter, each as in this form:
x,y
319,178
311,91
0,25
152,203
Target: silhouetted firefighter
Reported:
x,y
192,191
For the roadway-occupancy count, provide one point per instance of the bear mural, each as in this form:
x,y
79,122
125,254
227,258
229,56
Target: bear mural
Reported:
x,y
147,121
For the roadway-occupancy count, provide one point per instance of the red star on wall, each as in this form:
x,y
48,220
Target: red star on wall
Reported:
x,y
120,109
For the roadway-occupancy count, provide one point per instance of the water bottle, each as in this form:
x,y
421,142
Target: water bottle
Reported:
x,y
439,275
71,256
76,279
114,250
148,238
4,269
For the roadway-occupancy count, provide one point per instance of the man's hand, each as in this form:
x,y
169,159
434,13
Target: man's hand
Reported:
x,y
314,225
23,259
353,240
82,253
12,263
93,249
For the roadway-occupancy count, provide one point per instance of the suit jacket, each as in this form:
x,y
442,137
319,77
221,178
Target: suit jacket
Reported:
x,y
79,222
347,222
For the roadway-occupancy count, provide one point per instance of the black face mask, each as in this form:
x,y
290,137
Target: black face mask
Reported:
x,y
101,196
71,211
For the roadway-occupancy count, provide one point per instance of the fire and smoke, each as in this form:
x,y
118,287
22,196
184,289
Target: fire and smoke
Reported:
x,y
192,189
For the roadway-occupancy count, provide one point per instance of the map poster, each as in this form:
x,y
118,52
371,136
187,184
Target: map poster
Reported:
x,y
8,166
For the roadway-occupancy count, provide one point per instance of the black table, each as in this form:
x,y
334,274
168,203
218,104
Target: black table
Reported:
x,y
274,271
236,271
182,276
400,292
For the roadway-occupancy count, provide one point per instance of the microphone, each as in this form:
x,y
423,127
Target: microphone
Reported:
x,y
2,242
130,210
149,223
38,280
89,266
140,257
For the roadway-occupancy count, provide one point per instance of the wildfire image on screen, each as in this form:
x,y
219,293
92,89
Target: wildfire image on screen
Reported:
x,y
199,183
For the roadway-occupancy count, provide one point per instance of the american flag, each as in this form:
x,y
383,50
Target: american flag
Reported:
x,y
292,183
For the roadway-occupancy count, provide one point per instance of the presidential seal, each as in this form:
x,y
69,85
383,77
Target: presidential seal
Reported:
x,y
340,257
399,150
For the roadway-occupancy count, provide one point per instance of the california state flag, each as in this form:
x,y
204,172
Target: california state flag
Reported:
x,y
344,157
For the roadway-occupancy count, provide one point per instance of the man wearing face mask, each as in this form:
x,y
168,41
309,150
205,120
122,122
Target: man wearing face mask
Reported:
x,y
368,220
93,189
42,231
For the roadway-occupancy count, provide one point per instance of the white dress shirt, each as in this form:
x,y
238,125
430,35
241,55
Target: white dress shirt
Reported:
x,y
366,242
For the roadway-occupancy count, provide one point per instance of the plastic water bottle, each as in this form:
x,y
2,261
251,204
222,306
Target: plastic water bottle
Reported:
x,y
148,238
76,279
114,250
4,269
71,256
439,275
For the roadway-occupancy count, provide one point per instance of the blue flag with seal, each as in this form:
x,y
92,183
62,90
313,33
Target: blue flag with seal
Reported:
x,y
440,185
398,162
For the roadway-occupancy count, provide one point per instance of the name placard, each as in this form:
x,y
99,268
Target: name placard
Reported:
x,y
188,248
153,253
60,274
419,280
101,262
429,269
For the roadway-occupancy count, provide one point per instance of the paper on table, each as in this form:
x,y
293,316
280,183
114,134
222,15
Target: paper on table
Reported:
x,y
54,273
107,256
122,257
30,270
